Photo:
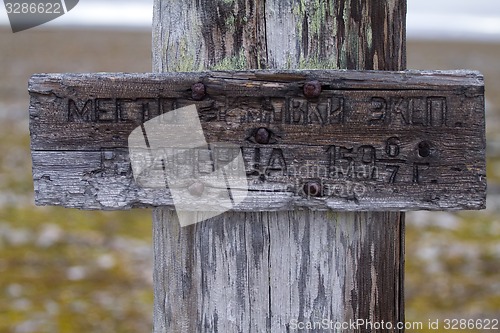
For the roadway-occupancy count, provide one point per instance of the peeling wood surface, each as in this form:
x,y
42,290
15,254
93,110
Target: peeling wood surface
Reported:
x,y
259,271
286,34
263,272
371,140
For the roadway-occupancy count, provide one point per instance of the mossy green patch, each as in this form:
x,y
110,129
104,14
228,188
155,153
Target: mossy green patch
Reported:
x,y
74,271
452,266
493,169
237,62
67,270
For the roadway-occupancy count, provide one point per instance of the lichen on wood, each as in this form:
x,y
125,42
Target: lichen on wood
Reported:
x,y
256,272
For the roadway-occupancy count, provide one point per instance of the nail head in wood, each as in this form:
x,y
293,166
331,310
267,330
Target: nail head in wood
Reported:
x,y
198,91
196,189
312,89
262,136
312,189
425,149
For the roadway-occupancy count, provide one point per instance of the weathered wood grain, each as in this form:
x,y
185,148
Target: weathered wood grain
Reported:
x,y
372,140
285,34
91,111
263,270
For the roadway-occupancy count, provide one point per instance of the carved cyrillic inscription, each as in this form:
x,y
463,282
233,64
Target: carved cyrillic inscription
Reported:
x,y
290,111
415,111
329,110
365,140
117,110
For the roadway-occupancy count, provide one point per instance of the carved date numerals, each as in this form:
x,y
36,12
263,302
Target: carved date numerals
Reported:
x,y
352,163
386,163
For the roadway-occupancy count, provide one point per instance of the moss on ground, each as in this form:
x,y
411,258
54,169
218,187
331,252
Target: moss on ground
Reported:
x,y
67,270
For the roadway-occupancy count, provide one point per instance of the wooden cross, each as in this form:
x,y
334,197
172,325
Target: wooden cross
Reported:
x,y
314,142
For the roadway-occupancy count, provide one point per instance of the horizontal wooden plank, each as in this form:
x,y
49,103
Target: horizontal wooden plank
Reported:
x,y
371,140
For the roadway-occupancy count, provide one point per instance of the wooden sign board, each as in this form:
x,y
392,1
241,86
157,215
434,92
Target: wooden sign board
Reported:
x,y
360,140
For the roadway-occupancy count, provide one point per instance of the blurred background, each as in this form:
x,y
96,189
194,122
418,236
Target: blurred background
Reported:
x,y
64,270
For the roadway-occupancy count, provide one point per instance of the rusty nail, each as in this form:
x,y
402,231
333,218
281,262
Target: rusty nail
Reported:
x,y
198,91
262,136
312,89
312,188
196,189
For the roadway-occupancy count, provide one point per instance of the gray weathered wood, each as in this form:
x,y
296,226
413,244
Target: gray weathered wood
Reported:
x,y
257,272
260,272
373,140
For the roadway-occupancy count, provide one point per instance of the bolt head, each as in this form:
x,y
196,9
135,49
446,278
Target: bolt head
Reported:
x,y
196,189
424,149
198,91
312,89
262,136
312,189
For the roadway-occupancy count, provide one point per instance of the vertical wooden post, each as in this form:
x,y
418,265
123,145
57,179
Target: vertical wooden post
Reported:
x,y
263,271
